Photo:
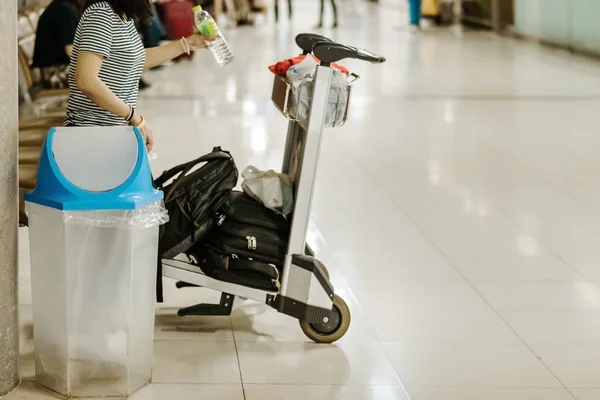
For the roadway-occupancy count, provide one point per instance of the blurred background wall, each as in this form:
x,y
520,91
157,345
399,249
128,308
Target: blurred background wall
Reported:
x,y
570,23
32,3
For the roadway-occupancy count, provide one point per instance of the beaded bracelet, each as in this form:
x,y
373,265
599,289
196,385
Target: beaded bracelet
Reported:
x,y
141,125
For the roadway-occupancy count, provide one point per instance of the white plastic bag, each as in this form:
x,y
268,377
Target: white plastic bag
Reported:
x,y
304,69
336,101
275,191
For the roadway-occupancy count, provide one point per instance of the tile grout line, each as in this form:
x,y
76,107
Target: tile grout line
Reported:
x,y
432,97
363,315
467,281
237,354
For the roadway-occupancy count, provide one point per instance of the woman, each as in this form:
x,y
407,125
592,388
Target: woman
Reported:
x,y
54,42
276,5
414,8
335,14
107,61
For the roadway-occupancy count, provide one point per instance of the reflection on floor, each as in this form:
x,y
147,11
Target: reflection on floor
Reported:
x,y
458,212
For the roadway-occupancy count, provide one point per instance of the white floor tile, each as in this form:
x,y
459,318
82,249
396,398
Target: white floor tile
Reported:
x,y
159,391
425,393
442,327
515,268
394,263
31,391
27,361
416,296
169,326
195,362
556,327
575,366
541,295
469,366
306,364
324,392
26,321
586,394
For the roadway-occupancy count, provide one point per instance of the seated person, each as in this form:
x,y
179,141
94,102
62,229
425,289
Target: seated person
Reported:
x,y
54,42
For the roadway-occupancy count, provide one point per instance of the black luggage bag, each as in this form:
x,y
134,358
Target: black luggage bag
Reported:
x,y
195,199
247,246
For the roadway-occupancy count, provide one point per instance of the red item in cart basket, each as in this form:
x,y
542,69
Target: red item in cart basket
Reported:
x,y
282,67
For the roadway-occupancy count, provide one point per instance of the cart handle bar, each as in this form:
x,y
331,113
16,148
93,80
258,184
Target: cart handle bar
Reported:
x,y
330,52
306,41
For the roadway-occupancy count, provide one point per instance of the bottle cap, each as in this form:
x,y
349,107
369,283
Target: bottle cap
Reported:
x,y
197,8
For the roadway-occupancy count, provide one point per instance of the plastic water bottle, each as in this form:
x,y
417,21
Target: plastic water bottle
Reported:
x,y
208,27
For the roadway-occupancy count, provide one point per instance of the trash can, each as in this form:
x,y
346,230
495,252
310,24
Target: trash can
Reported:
x,y
94,218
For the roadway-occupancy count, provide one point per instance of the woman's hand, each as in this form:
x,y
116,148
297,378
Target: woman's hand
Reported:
x,y
198,41
145,130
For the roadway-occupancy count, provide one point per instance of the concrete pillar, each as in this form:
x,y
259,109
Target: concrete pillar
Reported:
x,y
9,188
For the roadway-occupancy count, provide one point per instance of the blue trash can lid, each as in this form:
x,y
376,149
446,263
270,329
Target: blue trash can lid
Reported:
x,y
96,168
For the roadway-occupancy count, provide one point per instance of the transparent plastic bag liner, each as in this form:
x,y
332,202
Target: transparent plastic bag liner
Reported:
x,y
151,215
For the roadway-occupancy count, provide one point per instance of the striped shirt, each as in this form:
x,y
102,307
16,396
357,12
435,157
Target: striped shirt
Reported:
x,y
103,32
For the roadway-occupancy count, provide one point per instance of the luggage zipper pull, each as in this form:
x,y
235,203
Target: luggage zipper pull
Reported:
x,y
276,281
253,243
221,219
249,239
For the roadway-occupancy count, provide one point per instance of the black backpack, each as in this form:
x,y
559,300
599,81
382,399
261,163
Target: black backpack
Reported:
x,y
247,246
195,200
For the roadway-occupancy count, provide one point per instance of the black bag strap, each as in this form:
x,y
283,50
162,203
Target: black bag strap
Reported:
x,y
167,175
244,264
184,169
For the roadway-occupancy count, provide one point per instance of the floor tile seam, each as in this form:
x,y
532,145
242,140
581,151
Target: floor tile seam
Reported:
x,y
509,387
409,98
351,385
237,355
476,345
193,382
192,341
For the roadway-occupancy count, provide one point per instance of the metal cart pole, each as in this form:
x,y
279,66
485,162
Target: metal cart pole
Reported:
x,y
305,41
305,182
306,292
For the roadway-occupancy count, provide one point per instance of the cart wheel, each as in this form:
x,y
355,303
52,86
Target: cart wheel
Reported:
x,y
334,328
324,268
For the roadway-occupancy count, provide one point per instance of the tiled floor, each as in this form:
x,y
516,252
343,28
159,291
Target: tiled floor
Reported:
x,y
458,212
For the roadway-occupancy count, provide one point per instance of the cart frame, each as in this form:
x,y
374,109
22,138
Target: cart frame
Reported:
x,y
306,292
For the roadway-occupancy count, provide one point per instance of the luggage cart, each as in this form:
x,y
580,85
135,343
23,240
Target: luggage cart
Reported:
x,y
305,292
